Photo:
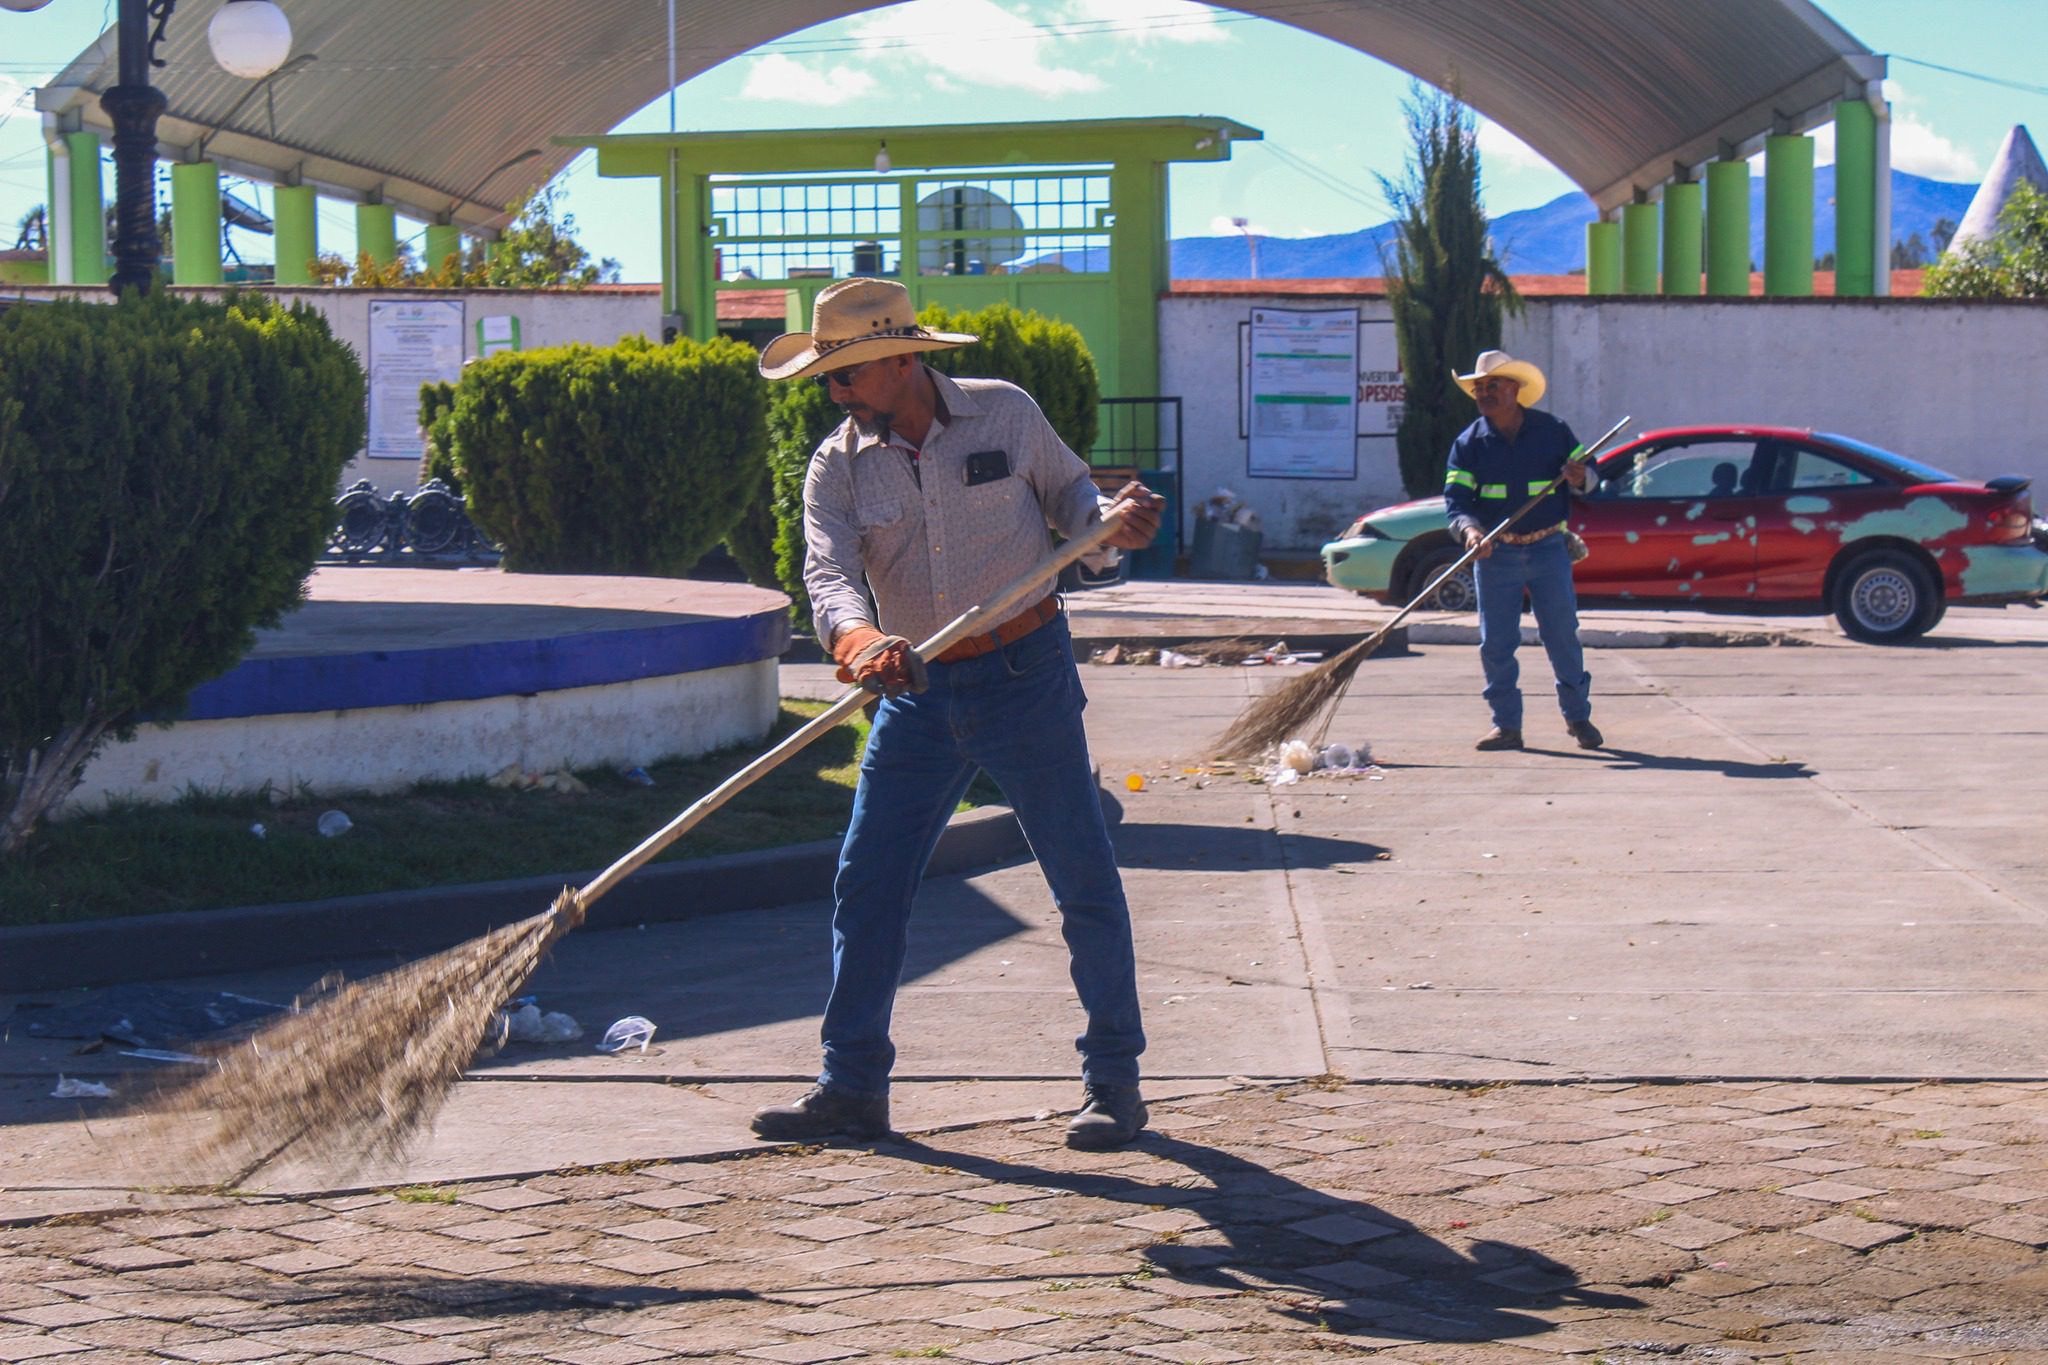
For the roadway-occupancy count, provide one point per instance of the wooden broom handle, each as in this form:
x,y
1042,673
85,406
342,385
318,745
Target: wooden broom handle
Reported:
x,y
962,626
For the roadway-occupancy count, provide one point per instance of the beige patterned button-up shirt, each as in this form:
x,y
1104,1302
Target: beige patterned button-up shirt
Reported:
x,y
928,544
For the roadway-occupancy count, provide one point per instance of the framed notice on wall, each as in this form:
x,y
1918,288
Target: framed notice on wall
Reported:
x,y
1382,393
1300,389
412,342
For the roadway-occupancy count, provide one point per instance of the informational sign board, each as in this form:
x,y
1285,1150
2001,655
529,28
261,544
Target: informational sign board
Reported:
x,y
1301,375
412,342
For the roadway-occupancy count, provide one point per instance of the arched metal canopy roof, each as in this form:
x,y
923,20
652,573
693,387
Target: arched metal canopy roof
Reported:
x,y
451,109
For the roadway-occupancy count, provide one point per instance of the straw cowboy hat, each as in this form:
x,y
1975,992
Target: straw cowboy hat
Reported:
x,y
852,322
1500,363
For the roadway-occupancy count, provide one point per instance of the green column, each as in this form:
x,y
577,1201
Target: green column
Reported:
x,y
377,232
298,233
1140,269
1728,228
195,223
443,240
1856,199
696,291
1682,238
85,211
1603,258
1639,248
1788,217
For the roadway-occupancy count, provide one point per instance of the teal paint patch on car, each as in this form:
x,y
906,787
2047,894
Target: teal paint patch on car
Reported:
x,y
1922,519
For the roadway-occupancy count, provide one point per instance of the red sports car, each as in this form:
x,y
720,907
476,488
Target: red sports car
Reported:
x,y
1757,519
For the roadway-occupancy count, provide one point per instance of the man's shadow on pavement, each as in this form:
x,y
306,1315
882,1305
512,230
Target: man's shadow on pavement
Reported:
x,y
1367,1269
1636,760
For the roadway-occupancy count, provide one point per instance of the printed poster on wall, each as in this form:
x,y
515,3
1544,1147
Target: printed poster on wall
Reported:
x,y
1302,375
412,342
1382,393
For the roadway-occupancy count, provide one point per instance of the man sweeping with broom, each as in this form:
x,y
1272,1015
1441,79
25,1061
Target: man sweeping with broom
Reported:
x,y
1511,453
930,494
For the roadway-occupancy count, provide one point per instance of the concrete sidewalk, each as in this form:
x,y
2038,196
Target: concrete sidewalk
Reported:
x,y
1719,1044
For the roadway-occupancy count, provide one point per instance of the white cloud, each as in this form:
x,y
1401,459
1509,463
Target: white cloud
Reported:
x,y
1150,21
1503,149
957,45
776,77
1919,150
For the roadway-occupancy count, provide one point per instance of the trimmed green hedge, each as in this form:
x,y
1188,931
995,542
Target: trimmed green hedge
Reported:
x,y
632,458
1042,356
167,476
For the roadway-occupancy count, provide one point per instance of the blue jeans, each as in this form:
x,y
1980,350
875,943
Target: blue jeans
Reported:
x,y
1017,714
1545,570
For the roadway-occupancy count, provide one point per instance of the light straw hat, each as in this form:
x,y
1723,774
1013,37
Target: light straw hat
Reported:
x,y
1491,363
852,322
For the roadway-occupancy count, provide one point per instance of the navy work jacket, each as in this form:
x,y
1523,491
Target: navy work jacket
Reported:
x,y
1489,477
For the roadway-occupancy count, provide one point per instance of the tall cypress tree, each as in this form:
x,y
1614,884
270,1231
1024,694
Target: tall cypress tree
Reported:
x,y
1447,289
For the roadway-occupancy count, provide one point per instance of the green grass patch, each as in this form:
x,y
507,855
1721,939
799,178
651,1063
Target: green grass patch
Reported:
x,y
199,853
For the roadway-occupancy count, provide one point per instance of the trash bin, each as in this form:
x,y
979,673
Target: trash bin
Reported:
x,y
1224,551
1157,559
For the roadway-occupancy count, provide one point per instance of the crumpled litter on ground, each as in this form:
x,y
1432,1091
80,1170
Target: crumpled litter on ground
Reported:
x,y
70,1089
516,778
626,1033
1297,759
528,1025
1199,654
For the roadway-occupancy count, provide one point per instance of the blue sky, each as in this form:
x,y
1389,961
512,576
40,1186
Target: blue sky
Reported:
x,y
1331,116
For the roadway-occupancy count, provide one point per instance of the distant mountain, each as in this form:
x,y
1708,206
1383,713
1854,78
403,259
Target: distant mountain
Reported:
x,y
1550,240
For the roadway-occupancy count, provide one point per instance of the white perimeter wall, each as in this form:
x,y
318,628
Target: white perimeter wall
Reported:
x,y
1954,384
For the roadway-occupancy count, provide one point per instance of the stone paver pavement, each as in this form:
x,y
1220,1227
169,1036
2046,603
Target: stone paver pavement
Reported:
x,y
1405,1223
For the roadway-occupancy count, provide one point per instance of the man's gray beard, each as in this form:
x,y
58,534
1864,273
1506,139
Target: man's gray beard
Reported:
x,y
876,430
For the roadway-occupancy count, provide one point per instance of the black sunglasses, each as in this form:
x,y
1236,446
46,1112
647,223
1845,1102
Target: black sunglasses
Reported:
x,y
843,378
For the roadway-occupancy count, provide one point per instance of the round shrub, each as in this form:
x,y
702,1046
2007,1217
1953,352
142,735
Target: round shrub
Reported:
x,y
631,458
167,477
1043,356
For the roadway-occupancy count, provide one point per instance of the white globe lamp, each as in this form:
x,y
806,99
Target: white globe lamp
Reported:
x,y
250,38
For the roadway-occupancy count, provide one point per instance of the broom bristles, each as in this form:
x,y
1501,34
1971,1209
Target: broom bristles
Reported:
x,y
1294,706
353,1075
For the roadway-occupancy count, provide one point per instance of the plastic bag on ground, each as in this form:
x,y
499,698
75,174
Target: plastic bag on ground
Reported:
x,y
629,1031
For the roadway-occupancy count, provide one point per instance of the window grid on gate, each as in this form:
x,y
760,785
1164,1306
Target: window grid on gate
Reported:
x,y
771,231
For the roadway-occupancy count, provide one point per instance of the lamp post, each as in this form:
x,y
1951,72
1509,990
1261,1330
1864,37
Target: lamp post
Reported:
x,y
249,38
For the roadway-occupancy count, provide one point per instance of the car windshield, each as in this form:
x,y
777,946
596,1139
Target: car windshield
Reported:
x,y
1912,469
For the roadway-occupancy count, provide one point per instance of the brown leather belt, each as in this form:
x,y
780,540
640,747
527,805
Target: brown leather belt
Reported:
x,y
1530,537
1009,632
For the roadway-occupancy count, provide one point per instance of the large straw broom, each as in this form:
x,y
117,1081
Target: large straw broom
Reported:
x,y
1306,704
353,1074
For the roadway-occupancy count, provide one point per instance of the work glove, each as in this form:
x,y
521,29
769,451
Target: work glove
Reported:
x,y
883,664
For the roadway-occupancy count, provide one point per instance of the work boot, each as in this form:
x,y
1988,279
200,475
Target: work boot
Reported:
x,y
1497,738
826,1112
1110,1116
1586,733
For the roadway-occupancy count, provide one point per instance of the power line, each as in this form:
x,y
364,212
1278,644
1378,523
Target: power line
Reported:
x,y
1329,181
2008,84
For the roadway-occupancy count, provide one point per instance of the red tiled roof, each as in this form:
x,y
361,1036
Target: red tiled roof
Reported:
x,y
1905,284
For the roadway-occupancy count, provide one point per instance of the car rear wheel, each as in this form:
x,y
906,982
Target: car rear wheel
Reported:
x,y
1459,592
1886,596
